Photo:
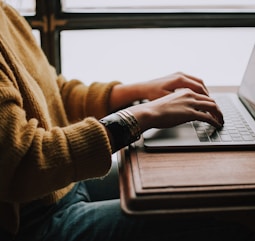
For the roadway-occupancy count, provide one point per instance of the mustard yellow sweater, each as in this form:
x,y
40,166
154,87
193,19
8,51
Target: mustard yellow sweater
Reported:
x,y
41,153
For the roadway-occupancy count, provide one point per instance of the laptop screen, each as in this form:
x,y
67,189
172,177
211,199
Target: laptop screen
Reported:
x,y
246,90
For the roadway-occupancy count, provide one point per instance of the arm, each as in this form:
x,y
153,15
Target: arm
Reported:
x,y
175,99
124,95
38,157
81,101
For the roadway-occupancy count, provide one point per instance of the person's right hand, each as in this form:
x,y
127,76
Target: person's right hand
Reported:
x,y
176,108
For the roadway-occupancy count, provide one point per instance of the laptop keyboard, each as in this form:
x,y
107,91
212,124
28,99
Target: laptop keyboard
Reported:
x,y
235,128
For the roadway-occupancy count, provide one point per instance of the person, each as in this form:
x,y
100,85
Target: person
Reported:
x,y
55,134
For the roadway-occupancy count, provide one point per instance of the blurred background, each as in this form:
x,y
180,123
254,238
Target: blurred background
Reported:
x,y
136,40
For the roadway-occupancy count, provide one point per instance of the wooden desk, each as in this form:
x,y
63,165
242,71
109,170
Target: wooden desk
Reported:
x,y
186,182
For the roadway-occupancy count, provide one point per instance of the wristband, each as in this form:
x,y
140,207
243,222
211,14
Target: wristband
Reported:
x,y
123,127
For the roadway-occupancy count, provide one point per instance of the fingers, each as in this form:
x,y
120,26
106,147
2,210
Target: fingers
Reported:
x,y
207,110
169,107
198,84
214,110
207,117
191,82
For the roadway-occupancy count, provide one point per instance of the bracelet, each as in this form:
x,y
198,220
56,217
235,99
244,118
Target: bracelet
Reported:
x,y
123,127
132,123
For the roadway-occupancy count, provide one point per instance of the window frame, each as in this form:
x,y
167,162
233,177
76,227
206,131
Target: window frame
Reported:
x,y
50,20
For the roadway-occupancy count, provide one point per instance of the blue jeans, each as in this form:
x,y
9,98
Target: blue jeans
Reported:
x,y
78,218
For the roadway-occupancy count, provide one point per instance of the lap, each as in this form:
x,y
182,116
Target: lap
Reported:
x,y
77,218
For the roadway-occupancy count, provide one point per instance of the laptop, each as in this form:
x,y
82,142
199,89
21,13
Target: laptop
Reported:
x,y
238,131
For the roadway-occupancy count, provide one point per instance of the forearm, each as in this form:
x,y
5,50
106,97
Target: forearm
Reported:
x,y
124,95
82,100
49,159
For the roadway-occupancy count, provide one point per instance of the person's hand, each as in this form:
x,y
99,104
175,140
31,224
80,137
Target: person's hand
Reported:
x,y
125,95
173,100
157,88
176,108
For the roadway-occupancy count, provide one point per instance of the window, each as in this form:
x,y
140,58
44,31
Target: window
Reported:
x,y
130,40
217,55
158,5
25,7
114,31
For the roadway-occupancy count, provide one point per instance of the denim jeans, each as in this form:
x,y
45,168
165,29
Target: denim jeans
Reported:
x,y
78,218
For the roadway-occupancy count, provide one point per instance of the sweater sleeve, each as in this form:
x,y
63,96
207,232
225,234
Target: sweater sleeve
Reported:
x,y
90,100
36,161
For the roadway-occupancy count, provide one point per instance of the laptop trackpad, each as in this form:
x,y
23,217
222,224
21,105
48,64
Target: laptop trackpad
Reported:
x,y
181,134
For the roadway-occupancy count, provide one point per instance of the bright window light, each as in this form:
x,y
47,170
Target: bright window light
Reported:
x,y
158,5
37,36
25,7
217,55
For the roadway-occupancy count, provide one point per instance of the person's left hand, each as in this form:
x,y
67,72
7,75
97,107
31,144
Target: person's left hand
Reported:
x,y
159,87
125,95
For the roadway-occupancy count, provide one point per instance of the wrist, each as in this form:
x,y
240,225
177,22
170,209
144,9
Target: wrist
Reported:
x,y
122,128
124,95
143,116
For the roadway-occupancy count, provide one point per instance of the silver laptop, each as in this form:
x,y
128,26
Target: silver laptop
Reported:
x,y
238,132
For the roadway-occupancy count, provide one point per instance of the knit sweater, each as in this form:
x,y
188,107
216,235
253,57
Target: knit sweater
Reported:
x,y
49,134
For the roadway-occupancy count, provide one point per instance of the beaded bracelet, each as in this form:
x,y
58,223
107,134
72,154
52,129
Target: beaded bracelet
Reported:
x,y
123,127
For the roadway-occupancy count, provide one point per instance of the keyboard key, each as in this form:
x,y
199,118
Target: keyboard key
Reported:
x,y
226,138
248,138
234,129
